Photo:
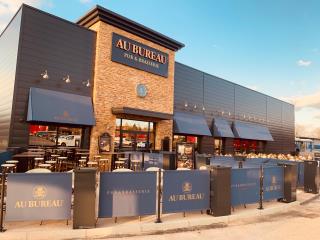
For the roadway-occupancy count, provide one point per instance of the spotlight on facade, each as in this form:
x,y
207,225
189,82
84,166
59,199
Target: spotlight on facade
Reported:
x,y
67,79
45,75
86,83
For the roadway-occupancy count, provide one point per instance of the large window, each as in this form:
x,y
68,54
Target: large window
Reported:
x,y
184,139
134,135
49,135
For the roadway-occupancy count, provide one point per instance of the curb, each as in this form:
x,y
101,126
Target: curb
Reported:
x,y
310,199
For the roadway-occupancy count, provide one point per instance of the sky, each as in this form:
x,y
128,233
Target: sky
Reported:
x,y
272,46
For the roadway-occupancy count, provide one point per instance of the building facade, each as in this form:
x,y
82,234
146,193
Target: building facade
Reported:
x,y
107,77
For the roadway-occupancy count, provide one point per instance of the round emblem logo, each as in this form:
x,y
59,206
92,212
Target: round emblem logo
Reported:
x,y
141,90
39,192
186,187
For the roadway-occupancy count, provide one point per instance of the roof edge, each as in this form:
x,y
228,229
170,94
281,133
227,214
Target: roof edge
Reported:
x,y
99,13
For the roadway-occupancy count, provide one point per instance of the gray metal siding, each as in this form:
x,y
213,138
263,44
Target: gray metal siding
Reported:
x,y
234,102
9,42
60,47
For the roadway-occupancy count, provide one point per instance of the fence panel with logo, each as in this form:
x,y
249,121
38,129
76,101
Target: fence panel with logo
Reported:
x,y
273,184
185,191
127,194
245,186
38,196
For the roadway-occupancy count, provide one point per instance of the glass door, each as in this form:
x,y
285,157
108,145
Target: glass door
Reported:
x,y
132,135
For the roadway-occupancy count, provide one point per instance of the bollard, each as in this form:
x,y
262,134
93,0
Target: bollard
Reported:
x,y
84,198
261,189
3,180
311,177
220,191
159,198
290,182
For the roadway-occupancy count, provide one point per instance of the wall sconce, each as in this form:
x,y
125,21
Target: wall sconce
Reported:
x,y
67,79
185,104
45,75
195,106
86,83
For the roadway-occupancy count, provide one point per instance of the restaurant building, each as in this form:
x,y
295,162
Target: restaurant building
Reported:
x,y
109,83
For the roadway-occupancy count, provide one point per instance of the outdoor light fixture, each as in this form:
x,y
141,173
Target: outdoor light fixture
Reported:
x,y
185,104
195,106
203,108
87,83
67,79
45,75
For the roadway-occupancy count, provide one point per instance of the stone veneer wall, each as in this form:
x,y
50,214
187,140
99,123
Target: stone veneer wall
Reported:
x,y
115,86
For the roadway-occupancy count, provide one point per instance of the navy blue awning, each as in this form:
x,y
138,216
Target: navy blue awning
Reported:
x,y
191,124
222,128
58,107
251,131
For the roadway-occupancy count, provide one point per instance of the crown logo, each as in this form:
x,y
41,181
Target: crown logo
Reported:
x,y
39,192
186,187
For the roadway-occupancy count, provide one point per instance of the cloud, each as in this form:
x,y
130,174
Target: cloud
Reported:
x,y
311,100
85,1
9,7
303,63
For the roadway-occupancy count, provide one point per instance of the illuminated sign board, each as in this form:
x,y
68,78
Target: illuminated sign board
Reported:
x,y
134,54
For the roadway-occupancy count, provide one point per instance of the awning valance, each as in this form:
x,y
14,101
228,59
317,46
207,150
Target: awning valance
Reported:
x,y
58,107
191,124
251,131
222,128
141,112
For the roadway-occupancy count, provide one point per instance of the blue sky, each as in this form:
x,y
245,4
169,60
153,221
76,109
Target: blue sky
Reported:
x,y
272,46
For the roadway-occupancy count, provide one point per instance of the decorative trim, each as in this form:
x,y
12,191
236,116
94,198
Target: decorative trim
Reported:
x,y
102,14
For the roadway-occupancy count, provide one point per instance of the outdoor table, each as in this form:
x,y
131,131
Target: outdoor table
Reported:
x,y
45,165
60,162
92,164
15,162
82,162
119,164
38,161
8,167
25,160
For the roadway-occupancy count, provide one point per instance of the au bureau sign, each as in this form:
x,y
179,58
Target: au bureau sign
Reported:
x,y
39,196
134,54
185,191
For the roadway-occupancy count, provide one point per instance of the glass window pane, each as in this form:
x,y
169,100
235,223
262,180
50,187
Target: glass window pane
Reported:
x,y
133,125
118,124
40,135
69,137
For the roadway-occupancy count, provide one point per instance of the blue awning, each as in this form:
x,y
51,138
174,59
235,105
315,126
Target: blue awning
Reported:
x,y
222,128
251,131
58,107
191,124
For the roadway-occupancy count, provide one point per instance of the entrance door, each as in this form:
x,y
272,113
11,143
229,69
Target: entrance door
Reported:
x,y
133,135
